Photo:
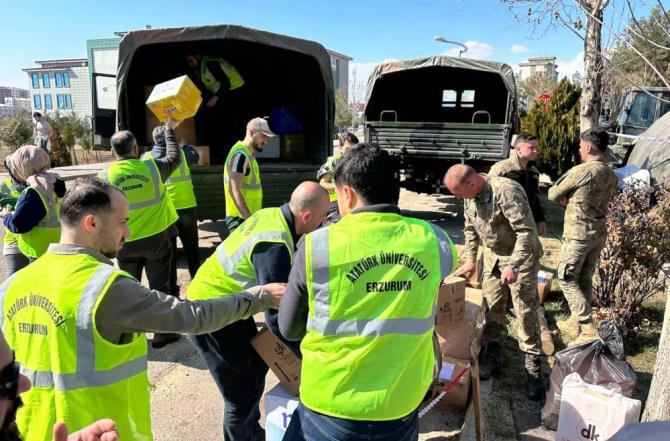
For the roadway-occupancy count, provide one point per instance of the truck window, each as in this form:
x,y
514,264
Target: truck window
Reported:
x,y
449,98
468,98
642,111
665,107
105,90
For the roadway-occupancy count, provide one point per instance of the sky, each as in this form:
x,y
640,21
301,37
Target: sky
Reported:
x,y
369,31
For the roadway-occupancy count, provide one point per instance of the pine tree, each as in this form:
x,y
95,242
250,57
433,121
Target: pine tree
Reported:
x,y
556,124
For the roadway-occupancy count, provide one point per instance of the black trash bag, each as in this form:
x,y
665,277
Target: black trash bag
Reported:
x,y
601,362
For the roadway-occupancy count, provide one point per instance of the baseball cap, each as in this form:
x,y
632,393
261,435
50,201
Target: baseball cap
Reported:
x,y
260,125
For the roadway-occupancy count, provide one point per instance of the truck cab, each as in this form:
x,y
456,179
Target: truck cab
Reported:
x,y
282,75
437,111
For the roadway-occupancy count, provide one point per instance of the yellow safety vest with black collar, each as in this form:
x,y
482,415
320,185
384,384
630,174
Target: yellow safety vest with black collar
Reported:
x,y
35,242
234,78
179,185
251,189
230,269
7,186
78,377
149,211
372,282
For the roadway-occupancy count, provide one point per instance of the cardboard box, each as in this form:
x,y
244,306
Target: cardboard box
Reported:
x,y
458,394
179,95
454,338
590,412
475,279
203,153
279,407
544,279
450,301
185,131
279,358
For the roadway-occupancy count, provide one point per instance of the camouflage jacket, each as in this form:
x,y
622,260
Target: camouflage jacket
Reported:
x,y
588,188
501,219
528,178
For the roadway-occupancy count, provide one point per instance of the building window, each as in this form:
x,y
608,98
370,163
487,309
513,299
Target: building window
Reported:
x,y
45,80
468,98
37,101
448,98
66,79
60,99
36,81
47,102
68,101
59,79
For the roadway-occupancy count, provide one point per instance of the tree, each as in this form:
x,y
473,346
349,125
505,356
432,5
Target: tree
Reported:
x,y
537,84
16,131
343,116
657,407
69,129
556,124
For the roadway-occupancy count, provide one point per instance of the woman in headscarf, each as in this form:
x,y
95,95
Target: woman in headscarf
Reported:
x,y
35,219
12,255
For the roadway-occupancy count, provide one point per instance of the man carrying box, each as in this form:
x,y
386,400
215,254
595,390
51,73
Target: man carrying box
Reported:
x,y
363,294
497,214
261,249
241,177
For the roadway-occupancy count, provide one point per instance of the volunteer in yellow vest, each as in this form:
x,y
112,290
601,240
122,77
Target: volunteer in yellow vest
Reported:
x,y
363,292
241,177
34,220
77,324
259,251
180,191
13,257
325,174
152,215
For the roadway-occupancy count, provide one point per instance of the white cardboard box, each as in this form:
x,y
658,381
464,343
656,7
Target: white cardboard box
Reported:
x,y
594,413
279,406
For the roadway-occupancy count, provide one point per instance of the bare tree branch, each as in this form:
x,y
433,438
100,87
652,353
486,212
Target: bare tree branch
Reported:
x,y
641,34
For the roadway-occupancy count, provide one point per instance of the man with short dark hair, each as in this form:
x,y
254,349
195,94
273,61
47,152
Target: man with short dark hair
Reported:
x,y
152,215
585,191
362,293
77,324
42,132
498,216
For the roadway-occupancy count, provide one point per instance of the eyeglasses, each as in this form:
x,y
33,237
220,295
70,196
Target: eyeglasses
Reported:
x,y
9,379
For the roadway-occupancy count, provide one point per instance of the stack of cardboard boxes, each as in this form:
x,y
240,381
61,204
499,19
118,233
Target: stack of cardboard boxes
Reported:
x,y
459,320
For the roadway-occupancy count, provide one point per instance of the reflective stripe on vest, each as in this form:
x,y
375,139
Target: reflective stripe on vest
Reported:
x,y
155,180
179,185
234,78
251,188
35,242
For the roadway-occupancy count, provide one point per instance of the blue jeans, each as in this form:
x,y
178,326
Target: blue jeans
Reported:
x,y
308,425
239,373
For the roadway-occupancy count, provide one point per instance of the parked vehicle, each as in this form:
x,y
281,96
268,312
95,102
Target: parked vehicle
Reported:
x,y
280,72
436,111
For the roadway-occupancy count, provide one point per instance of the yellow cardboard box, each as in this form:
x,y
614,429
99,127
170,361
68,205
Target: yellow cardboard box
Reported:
x,y
178,95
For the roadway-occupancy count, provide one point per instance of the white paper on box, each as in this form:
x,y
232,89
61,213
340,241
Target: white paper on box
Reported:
x,y
279,406
447,370
594,413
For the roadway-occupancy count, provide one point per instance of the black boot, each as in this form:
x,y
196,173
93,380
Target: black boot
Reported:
x,y
490,360
536,391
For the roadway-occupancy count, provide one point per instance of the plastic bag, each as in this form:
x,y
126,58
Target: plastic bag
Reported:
x,y
600,362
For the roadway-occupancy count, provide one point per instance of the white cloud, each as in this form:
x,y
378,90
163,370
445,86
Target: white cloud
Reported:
x,y
518,49
568,68
476,49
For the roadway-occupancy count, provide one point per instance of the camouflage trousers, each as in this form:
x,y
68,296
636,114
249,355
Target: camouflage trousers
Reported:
x,y
525,300
578,261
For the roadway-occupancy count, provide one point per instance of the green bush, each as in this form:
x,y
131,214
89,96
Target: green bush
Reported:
x,y
556,124
15,131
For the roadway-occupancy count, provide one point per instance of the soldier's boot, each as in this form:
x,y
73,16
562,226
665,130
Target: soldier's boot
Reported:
x,y
535,391
547,340
588,332
490,360
570,327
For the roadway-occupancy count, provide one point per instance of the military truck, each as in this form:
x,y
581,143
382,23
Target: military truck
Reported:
x,y
436,111
280,72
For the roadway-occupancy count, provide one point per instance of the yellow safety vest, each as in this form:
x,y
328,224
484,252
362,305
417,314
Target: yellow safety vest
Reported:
x,y
78,377
35,242
211,83
7,186
251,188
329,163
372,282
179,185
149,210
230,269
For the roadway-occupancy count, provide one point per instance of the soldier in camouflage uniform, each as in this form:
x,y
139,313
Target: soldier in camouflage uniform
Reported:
x,y
584,191
497,214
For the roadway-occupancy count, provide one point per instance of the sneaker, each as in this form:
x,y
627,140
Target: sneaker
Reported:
x,y
165,339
